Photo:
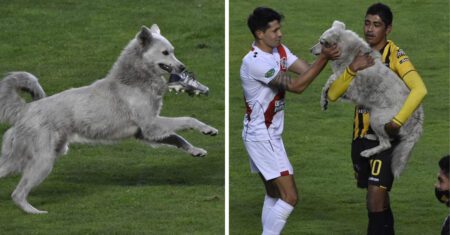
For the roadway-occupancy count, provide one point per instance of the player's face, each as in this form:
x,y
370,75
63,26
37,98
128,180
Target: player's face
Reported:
x,y
443,182
272,36
375,31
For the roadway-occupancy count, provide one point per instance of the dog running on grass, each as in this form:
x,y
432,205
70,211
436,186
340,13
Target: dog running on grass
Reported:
x,y
126,103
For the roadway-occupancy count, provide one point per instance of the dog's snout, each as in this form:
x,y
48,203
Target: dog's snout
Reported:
x,y
181,68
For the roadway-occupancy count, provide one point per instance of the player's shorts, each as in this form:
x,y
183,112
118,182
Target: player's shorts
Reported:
x,y
375,170
268,158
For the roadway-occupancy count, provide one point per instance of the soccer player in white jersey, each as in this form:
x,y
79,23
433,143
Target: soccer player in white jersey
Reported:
x,y
264,80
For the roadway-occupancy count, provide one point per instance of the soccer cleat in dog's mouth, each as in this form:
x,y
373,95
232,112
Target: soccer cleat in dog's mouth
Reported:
x,y
165,67
186,82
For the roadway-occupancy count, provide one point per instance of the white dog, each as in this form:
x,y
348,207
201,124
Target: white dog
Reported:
x,y
126,103
377,88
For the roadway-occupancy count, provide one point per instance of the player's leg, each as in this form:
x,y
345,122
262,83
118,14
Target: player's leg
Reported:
x,y
283,187
270,160
381,220
377,198
287,190
285,183
271,197
280,211
361,166
271,188
258,153
375,175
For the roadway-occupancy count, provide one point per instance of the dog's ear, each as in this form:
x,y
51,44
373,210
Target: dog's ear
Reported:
x,y
155,29
338,25
145,36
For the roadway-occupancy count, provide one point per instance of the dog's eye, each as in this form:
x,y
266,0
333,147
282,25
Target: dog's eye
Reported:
x,y
165,53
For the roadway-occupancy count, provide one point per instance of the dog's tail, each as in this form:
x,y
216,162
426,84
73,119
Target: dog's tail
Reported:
x,y
10,101
402,151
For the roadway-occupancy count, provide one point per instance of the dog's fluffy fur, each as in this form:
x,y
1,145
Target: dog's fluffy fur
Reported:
x,y
376,88
126,103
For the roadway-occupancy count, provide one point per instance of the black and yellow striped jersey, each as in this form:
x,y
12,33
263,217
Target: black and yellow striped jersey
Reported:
x,y
397,60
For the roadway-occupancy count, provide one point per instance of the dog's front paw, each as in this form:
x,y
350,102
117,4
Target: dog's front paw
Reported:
x,y
208,130
197,152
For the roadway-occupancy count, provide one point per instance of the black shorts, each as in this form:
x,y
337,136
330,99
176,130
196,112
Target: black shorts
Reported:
x,y
375,170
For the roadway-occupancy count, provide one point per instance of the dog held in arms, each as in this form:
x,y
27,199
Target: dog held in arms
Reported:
x,y
377,88
126,103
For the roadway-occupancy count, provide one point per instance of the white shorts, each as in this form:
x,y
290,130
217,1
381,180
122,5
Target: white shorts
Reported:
x,y
268,158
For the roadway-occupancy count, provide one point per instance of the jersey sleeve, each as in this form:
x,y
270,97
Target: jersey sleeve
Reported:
x,y
401,63
417,93
405,69
291,58
263,71
340,85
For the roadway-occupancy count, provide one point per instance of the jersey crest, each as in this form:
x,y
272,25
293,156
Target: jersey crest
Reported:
x,y
400,53
269,73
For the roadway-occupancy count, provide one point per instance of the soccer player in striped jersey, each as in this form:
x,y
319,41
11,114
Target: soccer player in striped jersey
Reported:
x,y
375,173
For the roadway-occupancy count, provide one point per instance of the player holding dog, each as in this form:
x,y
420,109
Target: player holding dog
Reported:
x,y
264,80
375,173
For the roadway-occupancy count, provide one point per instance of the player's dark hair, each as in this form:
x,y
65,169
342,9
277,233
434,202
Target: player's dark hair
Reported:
x,y
443,164
260,19
383,11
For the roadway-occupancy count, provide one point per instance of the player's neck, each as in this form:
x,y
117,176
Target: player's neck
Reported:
x,y
380,45
263,47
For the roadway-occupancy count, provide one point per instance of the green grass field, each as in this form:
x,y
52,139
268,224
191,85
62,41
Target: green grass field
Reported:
x,y
318,143
126,188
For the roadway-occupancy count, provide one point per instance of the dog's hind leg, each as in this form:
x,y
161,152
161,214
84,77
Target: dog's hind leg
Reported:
x,y
384,144
38,168
402,151
6,164
177,141
401,154
5,167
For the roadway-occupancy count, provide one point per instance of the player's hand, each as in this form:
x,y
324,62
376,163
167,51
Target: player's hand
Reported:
x,y
330,53
361,61
392,129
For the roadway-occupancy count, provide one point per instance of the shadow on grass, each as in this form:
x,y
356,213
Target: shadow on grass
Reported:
x,y
197,172
77,180
89,170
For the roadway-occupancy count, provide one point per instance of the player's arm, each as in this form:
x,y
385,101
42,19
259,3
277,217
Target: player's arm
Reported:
x,y
418,91
340,85
299,67
298,85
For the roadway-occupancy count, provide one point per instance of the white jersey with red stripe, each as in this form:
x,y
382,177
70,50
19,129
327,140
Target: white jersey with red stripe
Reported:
x,y
264,118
